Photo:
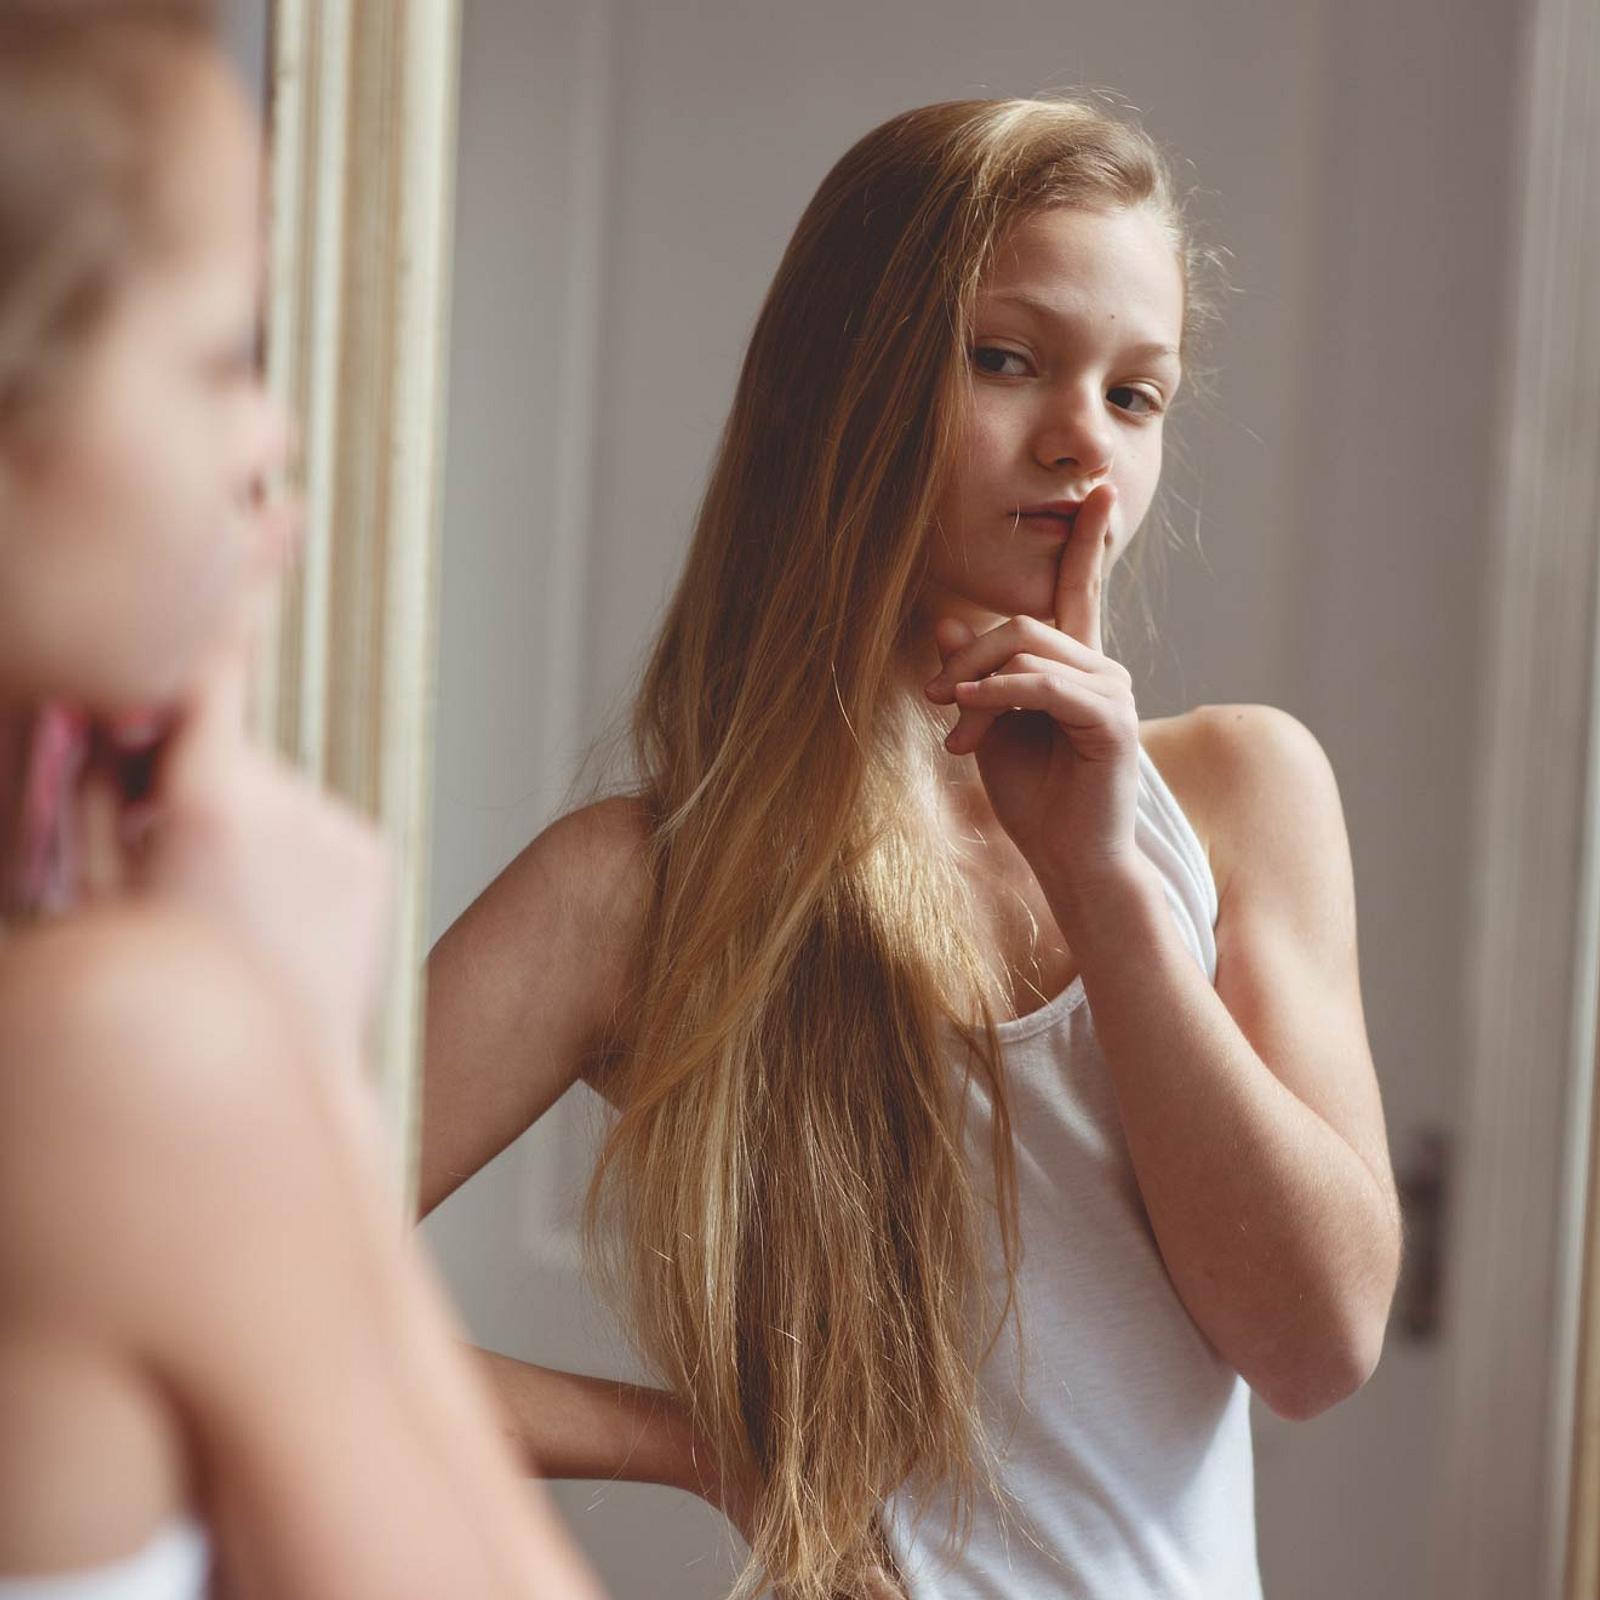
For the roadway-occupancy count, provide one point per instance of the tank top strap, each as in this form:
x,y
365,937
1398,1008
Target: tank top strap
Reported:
x,y
1168,839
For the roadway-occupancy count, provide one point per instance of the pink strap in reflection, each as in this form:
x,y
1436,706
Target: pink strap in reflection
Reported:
x,y
57,748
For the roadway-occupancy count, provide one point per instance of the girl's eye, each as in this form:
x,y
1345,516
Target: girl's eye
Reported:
x,y
992,359
1144,402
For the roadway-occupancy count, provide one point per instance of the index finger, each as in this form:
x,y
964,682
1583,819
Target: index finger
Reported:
x,y
1080,579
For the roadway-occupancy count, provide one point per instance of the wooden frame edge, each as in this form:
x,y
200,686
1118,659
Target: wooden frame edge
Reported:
x,y
362,127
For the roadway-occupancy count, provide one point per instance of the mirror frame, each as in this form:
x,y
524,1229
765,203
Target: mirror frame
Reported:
x,y
362,132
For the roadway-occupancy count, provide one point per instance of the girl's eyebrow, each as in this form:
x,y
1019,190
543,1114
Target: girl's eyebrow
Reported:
x,y
1150,350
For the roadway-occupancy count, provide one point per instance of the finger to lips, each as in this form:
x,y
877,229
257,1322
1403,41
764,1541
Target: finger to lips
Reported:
x,y
1080,583
1080,579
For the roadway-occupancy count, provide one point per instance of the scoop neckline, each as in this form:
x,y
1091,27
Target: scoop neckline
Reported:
x,y
1070,998
1035,1021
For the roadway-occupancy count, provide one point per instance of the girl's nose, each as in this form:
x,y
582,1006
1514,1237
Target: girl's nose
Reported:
x,y
273,517
1075,434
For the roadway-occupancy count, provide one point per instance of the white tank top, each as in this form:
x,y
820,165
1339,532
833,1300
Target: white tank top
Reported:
x,y
1124,1443
173,1565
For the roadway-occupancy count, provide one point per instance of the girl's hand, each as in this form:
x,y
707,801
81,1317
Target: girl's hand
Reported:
x,y
1052,721
188,807
229,828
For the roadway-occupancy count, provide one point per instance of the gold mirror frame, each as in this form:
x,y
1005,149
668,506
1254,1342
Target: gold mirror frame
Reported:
x,y
362,117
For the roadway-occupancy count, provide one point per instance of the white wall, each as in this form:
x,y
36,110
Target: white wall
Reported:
x,y
244,29
629,176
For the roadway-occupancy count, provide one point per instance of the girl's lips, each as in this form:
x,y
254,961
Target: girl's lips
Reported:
x,y
1054,523
1051,508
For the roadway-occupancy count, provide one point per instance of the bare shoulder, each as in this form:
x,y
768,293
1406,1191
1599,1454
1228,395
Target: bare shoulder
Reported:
x,y
525,986
125,998
141,1061
604,846
1237,768
595,861
577,894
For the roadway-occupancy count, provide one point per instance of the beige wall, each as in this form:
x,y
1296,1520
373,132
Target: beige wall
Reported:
x,y
628,178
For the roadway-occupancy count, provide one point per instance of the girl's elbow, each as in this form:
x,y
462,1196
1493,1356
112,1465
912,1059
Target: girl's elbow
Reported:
x,y
1323,1376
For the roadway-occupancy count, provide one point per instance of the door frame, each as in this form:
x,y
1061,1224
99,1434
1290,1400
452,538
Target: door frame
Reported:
x,y
1520,1485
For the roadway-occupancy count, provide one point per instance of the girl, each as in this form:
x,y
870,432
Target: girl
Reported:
x,y
212,1339
994,1102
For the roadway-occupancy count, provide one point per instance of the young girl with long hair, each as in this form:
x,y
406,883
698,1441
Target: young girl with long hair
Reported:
x,y
994,1107
218,1354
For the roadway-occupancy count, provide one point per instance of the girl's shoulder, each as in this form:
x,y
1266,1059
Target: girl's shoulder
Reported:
x,y
160,1114
122,1028
590,870
1220,760
602,851
535,972
104,968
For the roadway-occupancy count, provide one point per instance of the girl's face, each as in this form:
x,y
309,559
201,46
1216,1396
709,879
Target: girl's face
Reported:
x,y
1073,365
130,529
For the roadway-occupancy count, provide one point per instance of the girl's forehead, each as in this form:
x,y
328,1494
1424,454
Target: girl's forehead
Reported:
x,y
1074,257
213,176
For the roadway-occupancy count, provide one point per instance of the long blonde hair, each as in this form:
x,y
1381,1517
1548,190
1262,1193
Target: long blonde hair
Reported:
x,y
784,1203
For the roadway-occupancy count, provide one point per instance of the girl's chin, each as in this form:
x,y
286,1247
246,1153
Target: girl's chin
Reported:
x,y
1030,595
996,608
135,700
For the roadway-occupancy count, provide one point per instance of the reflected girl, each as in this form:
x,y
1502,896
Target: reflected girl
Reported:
x,y
995,1108
217,1353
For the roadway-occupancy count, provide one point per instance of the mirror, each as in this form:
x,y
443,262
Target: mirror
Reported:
x,y
1356,500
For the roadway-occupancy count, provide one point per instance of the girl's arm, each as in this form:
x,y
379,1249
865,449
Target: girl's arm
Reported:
x,y
571,1426
203,1213
521,988
1251,1108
